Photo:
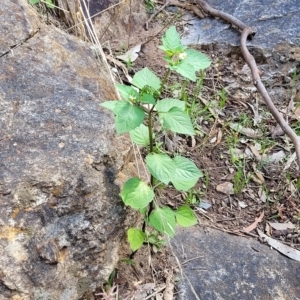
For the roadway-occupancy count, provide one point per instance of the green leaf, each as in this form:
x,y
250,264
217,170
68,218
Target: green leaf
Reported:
x,y
171,41
165,105
136,193
34,1
186,173
185,69
49,3
185,216
198,60
136,238
140,135
160,166
193,62
127,92
128,116
177,121
145,77
163,220
110,105
146,98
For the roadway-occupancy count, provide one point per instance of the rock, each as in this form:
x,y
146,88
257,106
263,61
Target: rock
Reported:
x,y
25,24
275,22
61,219
224,266
275,46
123,22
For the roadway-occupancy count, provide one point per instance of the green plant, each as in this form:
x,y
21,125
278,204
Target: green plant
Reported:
x,y
48,3
150,5
136,113
240,179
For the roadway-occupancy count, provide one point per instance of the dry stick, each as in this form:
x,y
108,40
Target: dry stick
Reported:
x,y
247,31
156,13
195,9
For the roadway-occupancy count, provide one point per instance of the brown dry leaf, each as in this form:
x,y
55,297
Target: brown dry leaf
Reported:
x,y
268,229
219,137
284,249
255,151
255,223
258,178
280,210
225,188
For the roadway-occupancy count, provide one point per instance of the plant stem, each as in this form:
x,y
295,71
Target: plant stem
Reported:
x,y
165,80
150,125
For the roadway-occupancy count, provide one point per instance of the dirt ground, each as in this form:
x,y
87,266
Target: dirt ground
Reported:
x,y
246,161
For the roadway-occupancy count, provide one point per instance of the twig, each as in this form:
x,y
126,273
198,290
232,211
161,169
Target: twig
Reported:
x,y
155,14
247,32
156,292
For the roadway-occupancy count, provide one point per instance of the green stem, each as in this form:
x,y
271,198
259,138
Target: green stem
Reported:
x,y
150,130
165,80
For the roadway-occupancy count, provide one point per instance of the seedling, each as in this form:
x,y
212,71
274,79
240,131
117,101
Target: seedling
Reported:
x,y
133,116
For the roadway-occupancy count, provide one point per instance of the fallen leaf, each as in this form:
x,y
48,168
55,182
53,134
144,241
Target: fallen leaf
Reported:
x,y
282,226
246,131
268,229
280,210
258,178
254,151
262,195
277,156
220,135
242,204
255,223
225,188
131,55
290,161
213,140
284,249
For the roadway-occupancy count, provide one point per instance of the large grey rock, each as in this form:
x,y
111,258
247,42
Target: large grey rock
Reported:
x,y
60,217
276,21
220,266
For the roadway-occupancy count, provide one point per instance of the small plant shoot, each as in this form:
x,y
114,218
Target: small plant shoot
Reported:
x,y
48,3
133,116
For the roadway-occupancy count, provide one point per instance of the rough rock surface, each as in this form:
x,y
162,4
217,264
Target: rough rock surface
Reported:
x,y
276,45
226,267
275,21
122,22
60,217
23,21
